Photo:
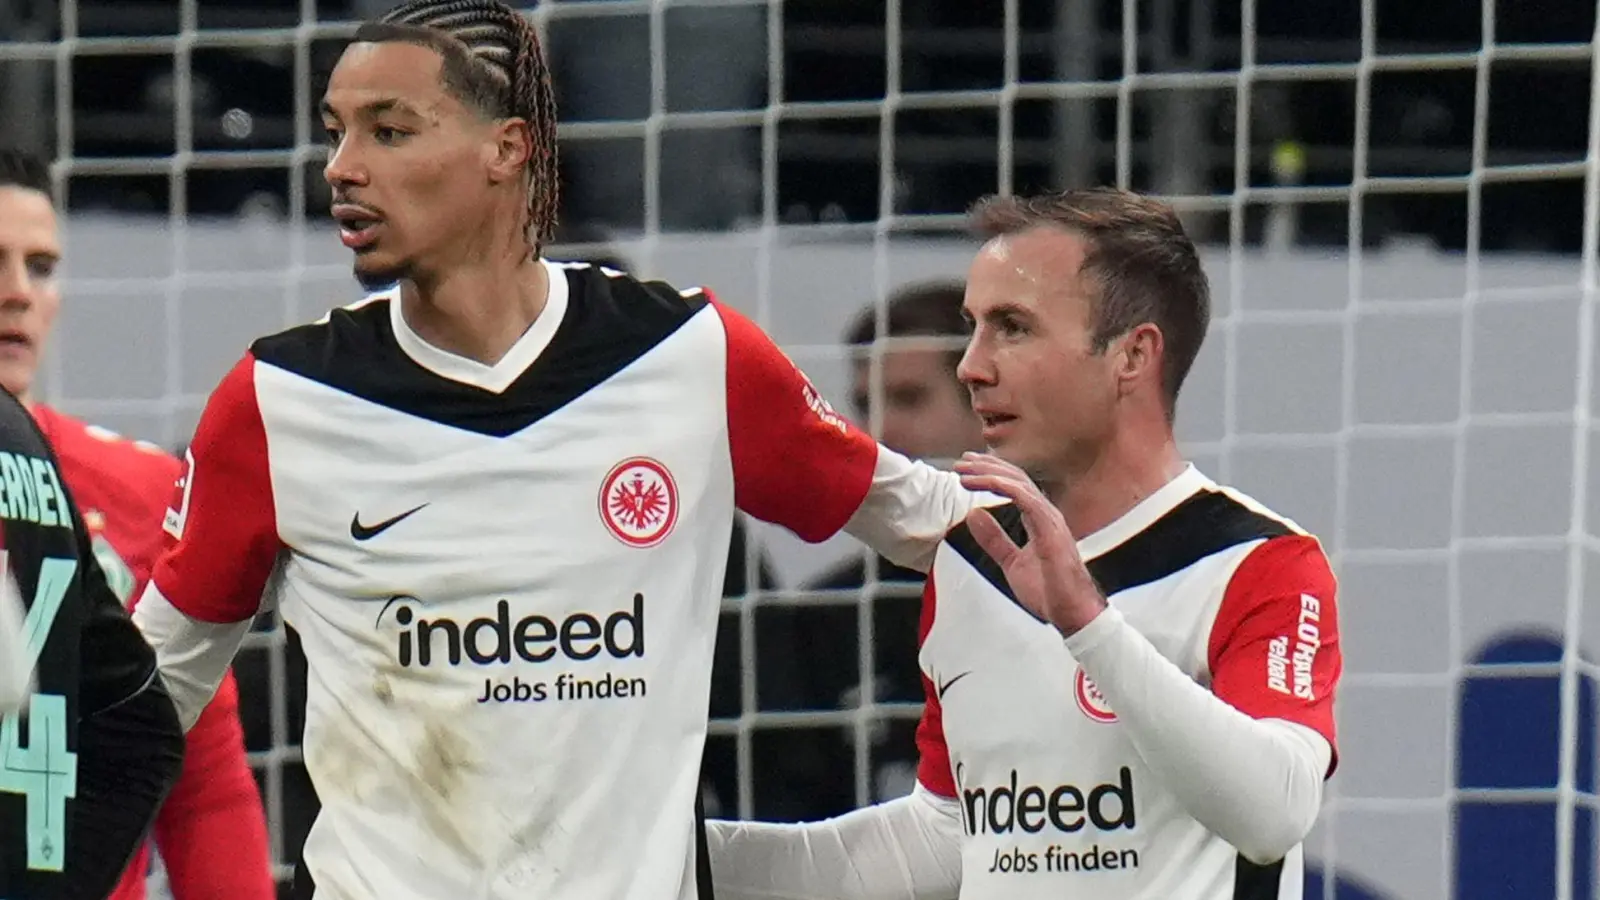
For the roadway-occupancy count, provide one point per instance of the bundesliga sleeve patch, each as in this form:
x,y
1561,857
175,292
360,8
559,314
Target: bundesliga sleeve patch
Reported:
x,y
172,522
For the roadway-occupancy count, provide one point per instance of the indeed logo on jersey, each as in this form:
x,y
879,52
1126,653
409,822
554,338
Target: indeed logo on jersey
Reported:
x,y
1011,808
498,639
1031,808
1289,672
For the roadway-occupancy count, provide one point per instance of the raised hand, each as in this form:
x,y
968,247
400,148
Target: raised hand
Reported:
x,y
1047,575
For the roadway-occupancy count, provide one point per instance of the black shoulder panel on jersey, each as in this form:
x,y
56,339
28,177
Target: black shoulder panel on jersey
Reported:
x,y
961,540
610,322
1256,882
1206,523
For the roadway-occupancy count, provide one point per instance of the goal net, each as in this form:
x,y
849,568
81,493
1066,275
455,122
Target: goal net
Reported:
x,y
1397,203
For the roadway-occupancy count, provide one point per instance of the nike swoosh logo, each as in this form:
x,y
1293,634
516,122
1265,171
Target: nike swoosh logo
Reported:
x,y
367,532
946,686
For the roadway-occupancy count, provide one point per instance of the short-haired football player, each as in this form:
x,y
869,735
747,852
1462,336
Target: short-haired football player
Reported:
x,y
1129,668
493,501
212,830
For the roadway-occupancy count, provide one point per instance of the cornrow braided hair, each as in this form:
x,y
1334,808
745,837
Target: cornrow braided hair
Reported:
x,y
493,61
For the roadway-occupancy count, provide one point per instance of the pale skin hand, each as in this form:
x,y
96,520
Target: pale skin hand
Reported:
x,y
1048,576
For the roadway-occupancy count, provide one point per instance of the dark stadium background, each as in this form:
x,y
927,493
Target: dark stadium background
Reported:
x,y
834,50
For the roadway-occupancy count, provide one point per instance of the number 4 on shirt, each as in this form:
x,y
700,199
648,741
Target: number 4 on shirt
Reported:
x,y
45,772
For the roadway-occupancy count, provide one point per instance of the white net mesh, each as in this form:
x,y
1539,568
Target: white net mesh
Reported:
x,y
1399,205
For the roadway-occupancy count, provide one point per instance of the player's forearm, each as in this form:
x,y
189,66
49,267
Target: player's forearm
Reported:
x,y
909,508
129,755
192,655
906,849
1255,783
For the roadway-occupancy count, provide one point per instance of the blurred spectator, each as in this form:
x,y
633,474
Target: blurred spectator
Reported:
x,y
924,414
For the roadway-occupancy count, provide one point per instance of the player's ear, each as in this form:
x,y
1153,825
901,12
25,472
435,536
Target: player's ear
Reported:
x,y
1139,358
513,149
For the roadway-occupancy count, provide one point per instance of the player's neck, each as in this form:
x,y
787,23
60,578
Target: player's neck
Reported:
x,y
1136,464
477,311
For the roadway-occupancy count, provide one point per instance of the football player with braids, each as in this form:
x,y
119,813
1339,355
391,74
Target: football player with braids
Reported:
x,y
492,502
493,62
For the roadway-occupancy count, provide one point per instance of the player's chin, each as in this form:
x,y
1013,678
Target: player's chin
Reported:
x,y
16,372
375,269
1014,450
1003,442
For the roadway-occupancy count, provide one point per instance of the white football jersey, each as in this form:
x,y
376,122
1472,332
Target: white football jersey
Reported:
x,y
1055,801
506,578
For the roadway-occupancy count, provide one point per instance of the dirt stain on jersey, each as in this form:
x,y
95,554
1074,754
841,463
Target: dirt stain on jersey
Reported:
x,y
532,866
443,761
341,759
382,688
347,760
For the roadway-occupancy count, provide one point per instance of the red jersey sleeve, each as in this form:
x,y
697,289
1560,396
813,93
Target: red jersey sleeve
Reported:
x,y
1274,648
212,830
796,462
146,545
933,754
222,527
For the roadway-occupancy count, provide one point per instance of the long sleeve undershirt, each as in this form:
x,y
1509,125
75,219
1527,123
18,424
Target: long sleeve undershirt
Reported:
x,y
1255,783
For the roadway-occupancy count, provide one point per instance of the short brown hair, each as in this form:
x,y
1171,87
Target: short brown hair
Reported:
x,y
919,309
19,168
1145,265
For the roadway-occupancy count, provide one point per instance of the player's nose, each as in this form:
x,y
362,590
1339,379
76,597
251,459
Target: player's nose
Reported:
x,y
975,368
15,285
344,168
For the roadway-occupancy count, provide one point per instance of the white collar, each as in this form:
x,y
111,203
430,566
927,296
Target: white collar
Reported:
x,y
1145,513
498,377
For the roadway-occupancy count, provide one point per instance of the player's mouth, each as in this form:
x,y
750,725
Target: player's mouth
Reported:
x,y
995,424
358,226
14,343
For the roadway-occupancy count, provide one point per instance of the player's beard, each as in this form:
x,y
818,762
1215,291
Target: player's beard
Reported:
x,y
1048,481
1047,476
373,277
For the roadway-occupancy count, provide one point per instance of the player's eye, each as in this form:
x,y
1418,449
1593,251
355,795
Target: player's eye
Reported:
x,y
384,134
332,136
42,268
